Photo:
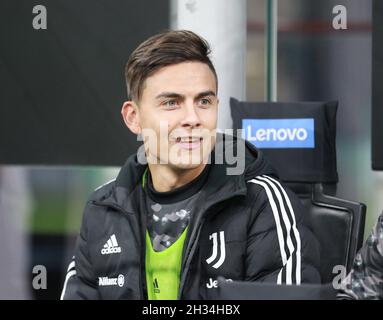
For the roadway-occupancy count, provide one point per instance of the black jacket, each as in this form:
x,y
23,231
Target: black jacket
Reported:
x,y
246,227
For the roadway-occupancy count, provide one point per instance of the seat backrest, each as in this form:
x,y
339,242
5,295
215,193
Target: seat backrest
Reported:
x,y
298,139
338,225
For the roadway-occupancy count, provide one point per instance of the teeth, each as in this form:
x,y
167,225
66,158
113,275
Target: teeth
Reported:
x,y
188,139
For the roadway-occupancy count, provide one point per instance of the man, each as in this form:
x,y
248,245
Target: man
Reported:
x,y
365,280
167,229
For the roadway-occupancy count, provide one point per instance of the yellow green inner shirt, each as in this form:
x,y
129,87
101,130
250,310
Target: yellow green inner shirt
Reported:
x,y
163,269
168,215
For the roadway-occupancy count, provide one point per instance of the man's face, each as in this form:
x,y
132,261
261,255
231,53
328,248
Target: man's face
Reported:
x,y
178,115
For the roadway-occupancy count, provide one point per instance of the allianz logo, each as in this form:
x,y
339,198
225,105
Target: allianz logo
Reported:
x,y
279,133
105,281
214,283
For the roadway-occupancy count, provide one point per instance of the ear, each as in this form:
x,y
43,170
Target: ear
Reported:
x,y
131,116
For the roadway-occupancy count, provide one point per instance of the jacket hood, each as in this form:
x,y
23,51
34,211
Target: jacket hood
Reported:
x,y
255,162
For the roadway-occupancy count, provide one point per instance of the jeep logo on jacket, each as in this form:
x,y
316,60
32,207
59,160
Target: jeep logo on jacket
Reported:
x,y
245,227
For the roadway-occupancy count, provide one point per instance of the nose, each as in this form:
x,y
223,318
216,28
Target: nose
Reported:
x,y
191,118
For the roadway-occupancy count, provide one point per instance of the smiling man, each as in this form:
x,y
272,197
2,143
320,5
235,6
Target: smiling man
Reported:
x,y
176,114
174,220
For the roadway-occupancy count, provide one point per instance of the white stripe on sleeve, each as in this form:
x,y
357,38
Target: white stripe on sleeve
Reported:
x,y
276,218
295,230
68,276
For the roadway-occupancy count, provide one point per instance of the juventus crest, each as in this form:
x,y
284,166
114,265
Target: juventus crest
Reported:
x,y
218,245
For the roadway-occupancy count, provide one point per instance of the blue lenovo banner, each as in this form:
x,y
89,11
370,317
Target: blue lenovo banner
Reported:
x,y
297,138
279,133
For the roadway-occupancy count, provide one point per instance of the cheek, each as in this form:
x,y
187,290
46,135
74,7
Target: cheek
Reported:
x,y
209,118
167,121
150,121
158,126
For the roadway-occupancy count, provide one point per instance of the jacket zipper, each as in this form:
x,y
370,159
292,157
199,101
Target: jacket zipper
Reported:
x,y
188,258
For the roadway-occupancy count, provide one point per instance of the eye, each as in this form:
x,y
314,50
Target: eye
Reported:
x,y
205,102
170,104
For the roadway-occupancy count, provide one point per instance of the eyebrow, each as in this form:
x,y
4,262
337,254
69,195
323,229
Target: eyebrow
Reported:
x,y
205,94
177,95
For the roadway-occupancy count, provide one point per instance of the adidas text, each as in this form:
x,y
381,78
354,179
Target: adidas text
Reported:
x,y
111,250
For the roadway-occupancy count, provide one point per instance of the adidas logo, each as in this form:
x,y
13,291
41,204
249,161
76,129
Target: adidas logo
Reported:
x,y
111,246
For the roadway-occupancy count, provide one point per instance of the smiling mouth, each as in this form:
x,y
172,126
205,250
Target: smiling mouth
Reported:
x,y
188,139
189,143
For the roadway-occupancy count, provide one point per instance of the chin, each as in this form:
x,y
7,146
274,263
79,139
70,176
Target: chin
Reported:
x,y
185,163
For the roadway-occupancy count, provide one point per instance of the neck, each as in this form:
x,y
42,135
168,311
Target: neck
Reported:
x,y
166,179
